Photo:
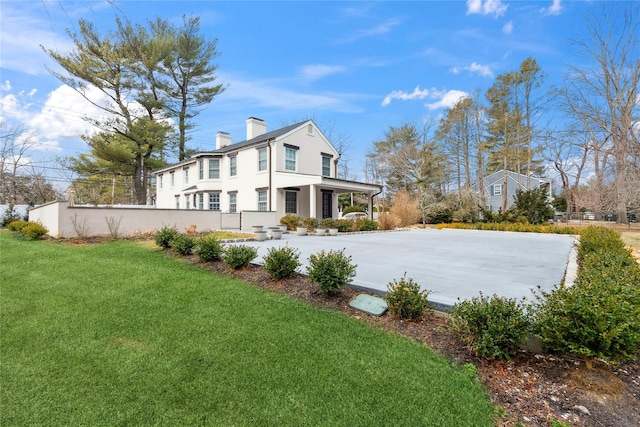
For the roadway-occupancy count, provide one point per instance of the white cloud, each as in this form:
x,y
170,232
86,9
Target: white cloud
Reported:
x,y
6,86
62,113
447,100
476,68
554,9
486,7
405,96
508,27
319,71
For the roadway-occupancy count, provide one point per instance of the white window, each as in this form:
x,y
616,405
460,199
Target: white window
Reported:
x,y
186,175
262,200
173,178
290,159
233,166
160,182
177,199
188,202
326,166
310,129
262,159
201,201
214,201
233,202
291,202
200,169
214,168
497,189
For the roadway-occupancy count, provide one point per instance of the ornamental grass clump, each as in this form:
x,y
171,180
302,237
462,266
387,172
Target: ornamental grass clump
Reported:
x,y
281,263
239,256
209,248
405,299
495,327
331,271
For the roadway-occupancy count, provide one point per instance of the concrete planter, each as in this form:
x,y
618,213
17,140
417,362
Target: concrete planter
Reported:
x,y
333,231
321,231
255,228
270,231
276,234
283,228
301,231
260,235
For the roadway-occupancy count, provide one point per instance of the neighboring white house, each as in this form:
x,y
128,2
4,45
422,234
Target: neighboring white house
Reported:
x,y
495,188
288,170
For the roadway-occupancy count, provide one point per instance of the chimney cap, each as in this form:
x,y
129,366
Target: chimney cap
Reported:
x,y
255,118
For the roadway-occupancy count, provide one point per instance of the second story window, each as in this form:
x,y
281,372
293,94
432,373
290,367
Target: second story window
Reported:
x,y
173,178
497,189
200,169
262,159
186,175
214,168
160,182
233,166
290,159
326,166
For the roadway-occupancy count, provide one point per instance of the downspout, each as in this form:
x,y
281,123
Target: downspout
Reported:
x,y
371,199
270,178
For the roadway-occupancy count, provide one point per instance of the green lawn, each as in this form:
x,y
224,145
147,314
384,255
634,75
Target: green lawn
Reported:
x,y
119,334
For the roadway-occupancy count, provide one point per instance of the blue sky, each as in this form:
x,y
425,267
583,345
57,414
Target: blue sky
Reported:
x,y
360,66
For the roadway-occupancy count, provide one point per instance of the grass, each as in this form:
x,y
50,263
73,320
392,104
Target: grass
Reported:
x,y
119,334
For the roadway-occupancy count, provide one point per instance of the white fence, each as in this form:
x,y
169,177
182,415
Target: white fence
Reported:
x,y
63,220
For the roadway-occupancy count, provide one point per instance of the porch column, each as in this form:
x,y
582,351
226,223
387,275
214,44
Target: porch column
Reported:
x,y
370,205
312,201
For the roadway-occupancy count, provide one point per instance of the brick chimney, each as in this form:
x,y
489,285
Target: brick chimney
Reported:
x,y
255,127
222,140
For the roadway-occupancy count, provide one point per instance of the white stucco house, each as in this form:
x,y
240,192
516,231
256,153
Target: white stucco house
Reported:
x,y
289,170
494,187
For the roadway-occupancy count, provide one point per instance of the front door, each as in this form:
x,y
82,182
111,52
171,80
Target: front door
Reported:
x,y
327,208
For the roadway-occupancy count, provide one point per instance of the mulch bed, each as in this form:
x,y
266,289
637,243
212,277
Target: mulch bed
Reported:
x,y
531,390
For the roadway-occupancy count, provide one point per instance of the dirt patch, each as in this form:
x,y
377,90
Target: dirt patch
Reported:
x,y
531,390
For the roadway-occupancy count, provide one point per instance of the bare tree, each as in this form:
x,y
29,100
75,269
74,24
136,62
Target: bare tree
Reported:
x,y
15,143
605,92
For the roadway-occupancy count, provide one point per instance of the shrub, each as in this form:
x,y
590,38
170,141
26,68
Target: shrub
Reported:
x,y
331,271
406,208
310,223
405,299
598,316
494,327
182,244
238,256
9,216
343,225
34,230
365,224
16,225
164,237
292,221
282,262
209,248
328,223
389,221
533,205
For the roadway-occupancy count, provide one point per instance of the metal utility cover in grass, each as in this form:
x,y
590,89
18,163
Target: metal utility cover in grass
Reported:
x,y
369,304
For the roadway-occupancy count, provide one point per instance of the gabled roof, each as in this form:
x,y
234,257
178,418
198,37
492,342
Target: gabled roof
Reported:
x,y
274,134
514,176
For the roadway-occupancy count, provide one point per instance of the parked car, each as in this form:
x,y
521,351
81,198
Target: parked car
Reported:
x,y
355,215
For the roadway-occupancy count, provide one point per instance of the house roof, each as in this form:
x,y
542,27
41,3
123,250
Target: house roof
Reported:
x,y
239,145
499,175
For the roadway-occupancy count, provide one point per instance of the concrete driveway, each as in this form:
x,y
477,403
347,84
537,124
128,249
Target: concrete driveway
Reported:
x,y
451,263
